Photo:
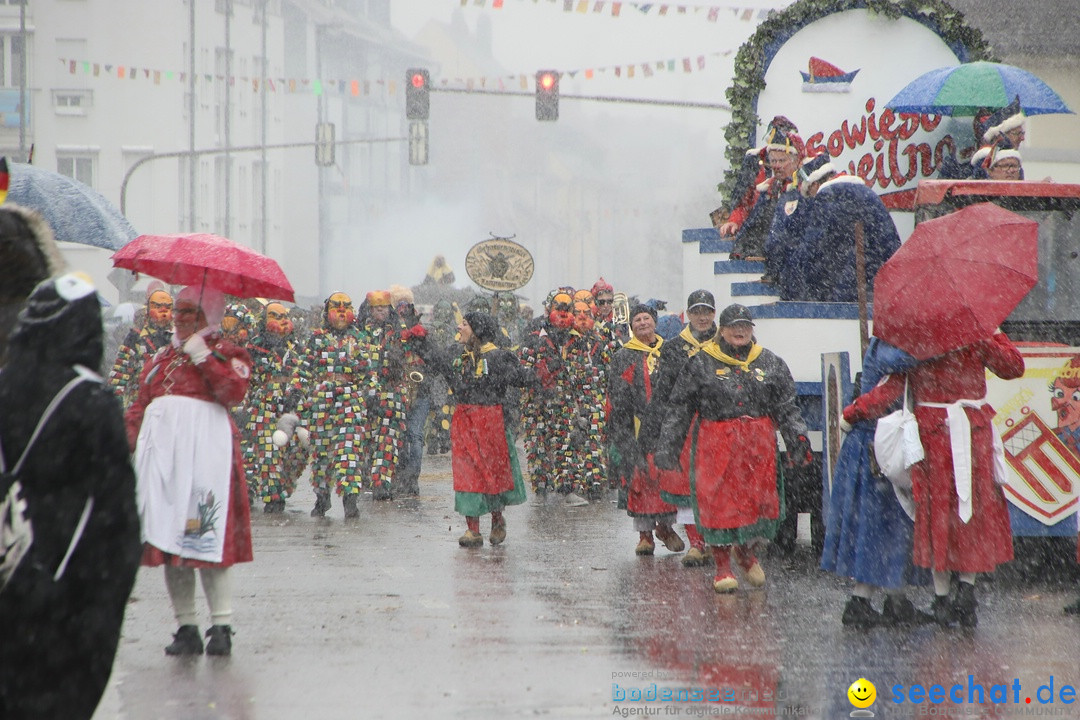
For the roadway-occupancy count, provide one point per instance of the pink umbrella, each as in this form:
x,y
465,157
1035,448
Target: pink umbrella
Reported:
x,y
210,260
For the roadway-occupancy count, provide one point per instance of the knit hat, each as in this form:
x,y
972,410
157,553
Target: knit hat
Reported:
x,y
484,327
642,308
61,323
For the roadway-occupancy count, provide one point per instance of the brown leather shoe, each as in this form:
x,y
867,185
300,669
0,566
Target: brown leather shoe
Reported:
x,y
497,534
670,538
695,558
645,547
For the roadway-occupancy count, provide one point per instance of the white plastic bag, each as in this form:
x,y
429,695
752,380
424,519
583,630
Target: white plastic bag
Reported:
x,y
897,445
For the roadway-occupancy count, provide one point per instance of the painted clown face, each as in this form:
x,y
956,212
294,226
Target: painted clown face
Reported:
x,y
561,314
583,317
277,320
339,311
1065,401
159,309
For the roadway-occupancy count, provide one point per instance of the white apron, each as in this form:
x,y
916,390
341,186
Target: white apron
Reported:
x,y
183,463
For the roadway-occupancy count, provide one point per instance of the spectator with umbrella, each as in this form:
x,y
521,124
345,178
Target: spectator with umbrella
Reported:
x,y
941,298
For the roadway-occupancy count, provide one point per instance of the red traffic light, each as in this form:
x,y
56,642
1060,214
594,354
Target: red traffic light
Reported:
x,y
417,87
547,95
418,80
547,81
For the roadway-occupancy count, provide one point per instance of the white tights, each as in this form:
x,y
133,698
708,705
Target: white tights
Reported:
x,y
217,586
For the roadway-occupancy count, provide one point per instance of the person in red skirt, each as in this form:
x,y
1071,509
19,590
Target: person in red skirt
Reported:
x,y
487,476
192,493
631,422
961,520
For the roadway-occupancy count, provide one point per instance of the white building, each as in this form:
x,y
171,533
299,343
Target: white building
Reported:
x,y
177,110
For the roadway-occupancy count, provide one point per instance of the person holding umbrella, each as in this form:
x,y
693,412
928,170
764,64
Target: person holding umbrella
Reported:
x,y
192,490
942,298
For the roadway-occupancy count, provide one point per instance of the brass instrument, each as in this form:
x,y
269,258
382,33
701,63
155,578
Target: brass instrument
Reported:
x,y
416,376
620,310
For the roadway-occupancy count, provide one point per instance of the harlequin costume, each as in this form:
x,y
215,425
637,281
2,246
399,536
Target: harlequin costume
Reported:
x,y
547,410
588,356
140,345
487,476
192,491
273,470
331,379
632,405
386,401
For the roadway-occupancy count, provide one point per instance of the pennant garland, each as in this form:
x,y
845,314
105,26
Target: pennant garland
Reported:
x,y
357,88
711,12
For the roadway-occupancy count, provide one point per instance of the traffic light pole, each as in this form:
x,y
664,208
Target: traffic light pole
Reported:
x,y
595,98
236,149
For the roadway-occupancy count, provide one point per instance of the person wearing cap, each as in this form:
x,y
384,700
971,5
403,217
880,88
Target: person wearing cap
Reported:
x,y
547,409
141,343
273,470
193,498
382,343
674,355
487,477
784,150
742,395
631,421
330,381
68,513
822,267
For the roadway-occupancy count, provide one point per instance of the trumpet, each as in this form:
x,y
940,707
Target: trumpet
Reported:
x,y
416,376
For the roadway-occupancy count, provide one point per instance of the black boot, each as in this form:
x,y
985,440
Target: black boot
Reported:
x,y
186,641
965,604
274,506
322,502
220,642
860,614
901,612
349,501
942,610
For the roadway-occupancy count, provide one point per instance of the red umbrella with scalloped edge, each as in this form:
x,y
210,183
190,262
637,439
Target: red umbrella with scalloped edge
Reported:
x,y
955,280
211,260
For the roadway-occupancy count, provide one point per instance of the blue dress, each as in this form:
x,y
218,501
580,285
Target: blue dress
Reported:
x,y
868,536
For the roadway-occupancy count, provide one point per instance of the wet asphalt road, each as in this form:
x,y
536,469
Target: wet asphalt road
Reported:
x,y
387,617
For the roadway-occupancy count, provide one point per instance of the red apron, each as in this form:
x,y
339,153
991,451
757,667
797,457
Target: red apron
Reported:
x,y
643,497
677,482
735,472
480,458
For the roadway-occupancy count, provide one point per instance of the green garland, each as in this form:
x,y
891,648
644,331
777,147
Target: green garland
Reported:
x,y
749,79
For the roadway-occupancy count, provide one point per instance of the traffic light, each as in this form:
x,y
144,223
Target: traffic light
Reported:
x,y
547,95
417,98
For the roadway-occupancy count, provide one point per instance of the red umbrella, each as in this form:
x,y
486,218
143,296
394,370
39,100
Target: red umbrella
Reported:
x,y
955,280
205,259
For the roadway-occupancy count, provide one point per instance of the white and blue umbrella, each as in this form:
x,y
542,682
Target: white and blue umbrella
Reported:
x,y
76,212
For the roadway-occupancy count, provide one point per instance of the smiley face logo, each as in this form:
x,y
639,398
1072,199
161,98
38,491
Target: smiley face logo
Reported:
x,y
862,693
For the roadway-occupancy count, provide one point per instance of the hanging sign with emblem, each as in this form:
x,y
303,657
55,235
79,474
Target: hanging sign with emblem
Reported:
x,y
499,264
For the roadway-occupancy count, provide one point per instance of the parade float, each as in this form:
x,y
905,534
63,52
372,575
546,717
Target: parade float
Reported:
x,y
832,67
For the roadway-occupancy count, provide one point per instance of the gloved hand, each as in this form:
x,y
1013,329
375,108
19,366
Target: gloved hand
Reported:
x,y
286,427
800,454
416,332
196,348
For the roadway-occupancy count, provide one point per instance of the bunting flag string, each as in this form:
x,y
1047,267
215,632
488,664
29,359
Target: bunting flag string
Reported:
x,y
712,13
357,87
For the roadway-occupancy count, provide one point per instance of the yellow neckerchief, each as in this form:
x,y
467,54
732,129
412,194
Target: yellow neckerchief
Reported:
x,y
713,348
480,366
653,352
695,345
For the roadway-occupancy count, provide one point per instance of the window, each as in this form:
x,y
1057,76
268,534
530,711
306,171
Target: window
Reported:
x,y
72,102
80,167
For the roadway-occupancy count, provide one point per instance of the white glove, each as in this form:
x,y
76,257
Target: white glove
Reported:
x,y
845,426
286,426
196,348
303,437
